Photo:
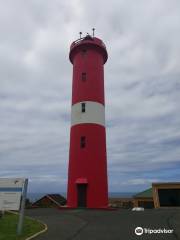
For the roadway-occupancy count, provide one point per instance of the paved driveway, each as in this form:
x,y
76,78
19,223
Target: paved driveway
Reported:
x,y
106,225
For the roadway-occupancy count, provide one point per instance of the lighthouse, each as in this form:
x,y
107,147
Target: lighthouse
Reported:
x,y
87,172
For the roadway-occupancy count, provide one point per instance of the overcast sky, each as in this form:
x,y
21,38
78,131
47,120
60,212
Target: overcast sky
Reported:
x,y
142,87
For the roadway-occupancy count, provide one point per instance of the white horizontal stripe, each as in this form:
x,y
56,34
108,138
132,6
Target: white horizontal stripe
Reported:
x,y
94,113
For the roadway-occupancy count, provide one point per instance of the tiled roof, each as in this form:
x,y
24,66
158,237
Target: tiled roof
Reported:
x,y
57,198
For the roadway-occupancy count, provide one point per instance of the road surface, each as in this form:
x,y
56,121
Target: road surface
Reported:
x,y
106,225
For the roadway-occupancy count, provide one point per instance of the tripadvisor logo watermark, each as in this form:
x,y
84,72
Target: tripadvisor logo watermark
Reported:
x,y
139,231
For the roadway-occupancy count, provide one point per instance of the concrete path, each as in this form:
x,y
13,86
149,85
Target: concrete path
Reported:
x,y
106,225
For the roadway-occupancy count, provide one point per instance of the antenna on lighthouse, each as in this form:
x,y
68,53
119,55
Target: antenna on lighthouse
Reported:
x,y
80,34
93,31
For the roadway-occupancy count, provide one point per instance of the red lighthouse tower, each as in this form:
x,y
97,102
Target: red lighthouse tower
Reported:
x,y
87,173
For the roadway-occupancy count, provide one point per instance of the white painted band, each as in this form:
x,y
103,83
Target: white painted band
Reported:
x,y
94,113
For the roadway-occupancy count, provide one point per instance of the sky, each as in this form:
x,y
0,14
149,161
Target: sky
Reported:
x,y
142,85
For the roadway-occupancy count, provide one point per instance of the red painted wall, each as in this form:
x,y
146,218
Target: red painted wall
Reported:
x,y
89,162
93,88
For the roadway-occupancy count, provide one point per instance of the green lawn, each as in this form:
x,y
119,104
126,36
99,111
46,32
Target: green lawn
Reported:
x,y
8,226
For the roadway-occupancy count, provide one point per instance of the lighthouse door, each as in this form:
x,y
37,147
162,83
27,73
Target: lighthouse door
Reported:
x,y
81,193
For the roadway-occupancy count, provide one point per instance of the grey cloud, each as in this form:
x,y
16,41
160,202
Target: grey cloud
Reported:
x,y
141,83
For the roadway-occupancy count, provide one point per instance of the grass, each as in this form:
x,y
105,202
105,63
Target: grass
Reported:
x,y
8,227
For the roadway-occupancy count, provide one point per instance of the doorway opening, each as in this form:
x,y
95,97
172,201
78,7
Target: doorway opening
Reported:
x,y
82,195
169,197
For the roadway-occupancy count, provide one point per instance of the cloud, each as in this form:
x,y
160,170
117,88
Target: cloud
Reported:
x,y
139,181
141,82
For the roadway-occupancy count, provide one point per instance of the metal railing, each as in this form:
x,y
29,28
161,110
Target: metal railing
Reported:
x,y
84,38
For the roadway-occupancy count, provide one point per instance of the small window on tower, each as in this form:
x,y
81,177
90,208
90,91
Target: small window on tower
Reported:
x,y
83,77
83,142
83,107
84,52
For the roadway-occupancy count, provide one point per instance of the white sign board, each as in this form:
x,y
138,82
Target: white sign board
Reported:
x,y
10,193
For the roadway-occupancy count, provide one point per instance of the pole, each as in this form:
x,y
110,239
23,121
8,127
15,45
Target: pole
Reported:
x,y
93,31
22,207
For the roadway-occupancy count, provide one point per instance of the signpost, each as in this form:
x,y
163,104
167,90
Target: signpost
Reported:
x,y
13,197
1,202
23,201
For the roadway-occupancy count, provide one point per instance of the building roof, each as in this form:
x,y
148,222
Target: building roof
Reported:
x,y
145,194
55,198
166,183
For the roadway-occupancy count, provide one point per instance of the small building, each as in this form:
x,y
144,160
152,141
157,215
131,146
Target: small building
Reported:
x,y
166,194
50,200
144,199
